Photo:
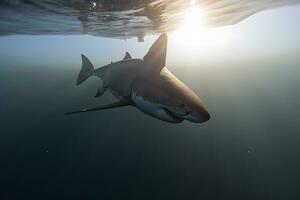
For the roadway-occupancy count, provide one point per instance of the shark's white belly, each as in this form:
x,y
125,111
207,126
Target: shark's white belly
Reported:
x,y
154,109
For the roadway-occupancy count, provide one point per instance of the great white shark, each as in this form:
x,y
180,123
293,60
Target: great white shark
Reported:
x,y
148,85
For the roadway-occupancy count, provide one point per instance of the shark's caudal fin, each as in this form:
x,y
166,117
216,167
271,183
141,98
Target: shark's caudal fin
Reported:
x,y
86,70
156,56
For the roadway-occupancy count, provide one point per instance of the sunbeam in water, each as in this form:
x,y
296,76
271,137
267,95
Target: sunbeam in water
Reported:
x,y
193,32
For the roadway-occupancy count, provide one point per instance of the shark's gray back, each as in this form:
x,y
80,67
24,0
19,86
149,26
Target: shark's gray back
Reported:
x,y
119,76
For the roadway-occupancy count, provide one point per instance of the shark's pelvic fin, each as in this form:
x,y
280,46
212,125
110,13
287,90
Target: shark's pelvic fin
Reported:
x,y
127,56
123,102
101,91
86,70
156,56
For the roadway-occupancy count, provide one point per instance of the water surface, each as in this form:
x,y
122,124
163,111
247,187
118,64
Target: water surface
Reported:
x,y
120,18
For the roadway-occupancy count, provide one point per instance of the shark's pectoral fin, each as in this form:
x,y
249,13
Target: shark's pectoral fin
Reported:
x,y
123,102
100,91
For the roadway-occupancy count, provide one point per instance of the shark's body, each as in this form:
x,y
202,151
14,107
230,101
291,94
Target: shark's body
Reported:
x,y
148,85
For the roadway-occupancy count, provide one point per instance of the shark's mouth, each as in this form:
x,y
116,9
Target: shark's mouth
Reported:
x,y
173,115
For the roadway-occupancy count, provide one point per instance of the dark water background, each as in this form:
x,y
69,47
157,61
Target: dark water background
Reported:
x,y
248,150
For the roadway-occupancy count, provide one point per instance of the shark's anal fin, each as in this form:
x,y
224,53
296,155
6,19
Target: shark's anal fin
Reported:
x,y
123,102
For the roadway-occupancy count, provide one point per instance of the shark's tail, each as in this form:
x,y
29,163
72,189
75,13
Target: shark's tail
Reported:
x,y
86,71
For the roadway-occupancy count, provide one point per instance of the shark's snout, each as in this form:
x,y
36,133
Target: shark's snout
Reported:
x,y
198,117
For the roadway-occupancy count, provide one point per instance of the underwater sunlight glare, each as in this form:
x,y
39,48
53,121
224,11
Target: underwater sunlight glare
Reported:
x,y
193,33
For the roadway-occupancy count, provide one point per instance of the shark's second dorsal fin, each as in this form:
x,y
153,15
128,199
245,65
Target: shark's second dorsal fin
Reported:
x,y
156,56
127,56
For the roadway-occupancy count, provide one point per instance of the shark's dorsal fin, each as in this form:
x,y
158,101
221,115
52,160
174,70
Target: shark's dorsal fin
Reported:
x,y
127,56
156,56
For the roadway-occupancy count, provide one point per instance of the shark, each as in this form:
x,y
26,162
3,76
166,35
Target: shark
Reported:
x,y
146,84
